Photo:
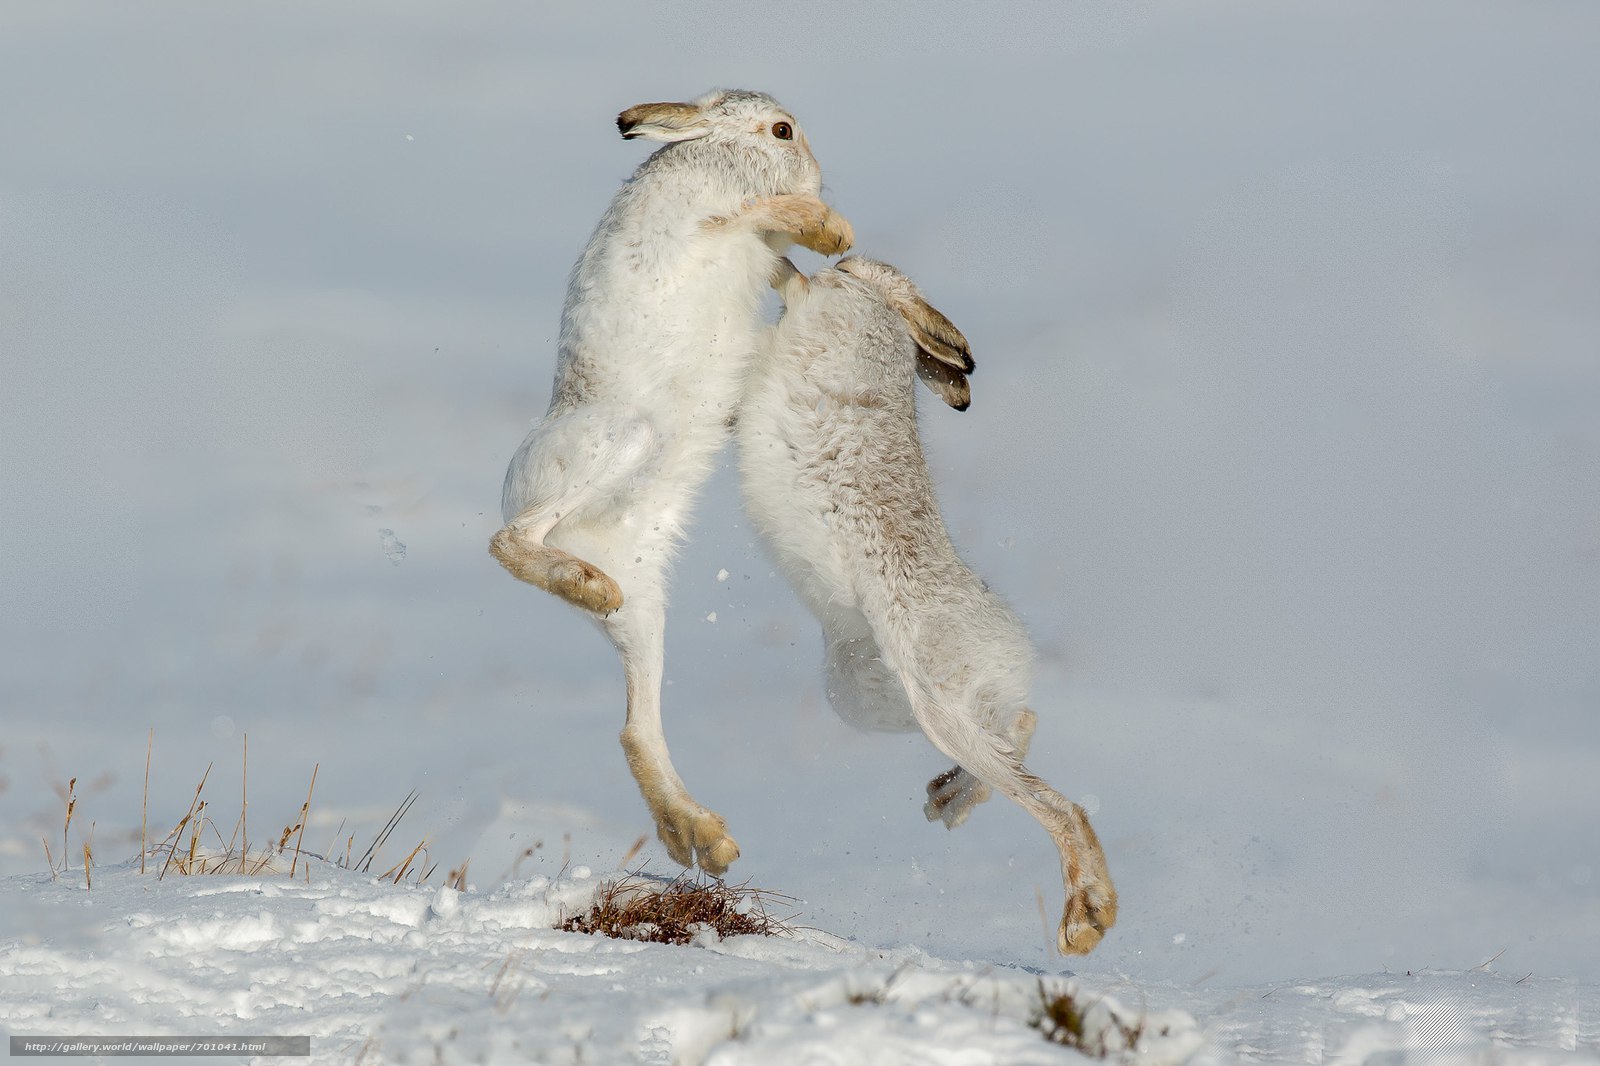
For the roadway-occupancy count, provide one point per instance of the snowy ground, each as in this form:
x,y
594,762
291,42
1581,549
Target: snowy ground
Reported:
x,y
377,972
1284,441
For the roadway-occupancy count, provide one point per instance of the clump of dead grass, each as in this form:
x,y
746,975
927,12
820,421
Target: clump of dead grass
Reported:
x,y
639,907
1063,1018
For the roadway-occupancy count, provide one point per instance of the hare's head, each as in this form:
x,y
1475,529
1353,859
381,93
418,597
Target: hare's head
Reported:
x,y
748,138
943,357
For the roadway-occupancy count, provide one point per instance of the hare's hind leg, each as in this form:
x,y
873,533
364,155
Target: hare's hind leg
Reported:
x,y
1091,906
691,833
953,794
522,551
571,463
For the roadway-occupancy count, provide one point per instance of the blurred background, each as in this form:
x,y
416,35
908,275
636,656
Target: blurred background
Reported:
x,y
1285,441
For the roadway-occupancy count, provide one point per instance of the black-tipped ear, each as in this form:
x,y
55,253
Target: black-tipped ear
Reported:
x,y
947,382
662,122
937,336
944,358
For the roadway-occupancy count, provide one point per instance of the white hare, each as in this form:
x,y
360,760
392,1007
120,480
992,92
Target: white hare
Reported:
x,y
834,478
663,317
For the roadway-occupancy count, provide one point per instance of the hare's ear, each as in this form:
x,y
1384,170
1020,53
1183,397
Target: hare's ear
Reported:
x,y
945,380
663,122
936,335
943,357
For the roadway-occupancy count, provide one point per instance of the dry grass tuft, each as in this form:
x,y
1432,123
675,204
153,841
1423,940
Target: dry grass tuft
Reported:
x,y
70,798
637,907
195,845
72,805
1062,1018
299,828
285,856
144,808
364,864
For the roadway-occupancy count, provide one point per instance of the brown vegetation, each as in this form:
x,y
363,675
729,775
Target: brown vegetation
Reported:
x,y
636,907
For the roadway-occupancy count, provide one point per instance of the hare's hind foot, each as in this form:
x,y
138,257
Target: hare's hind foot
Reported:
x,y
695,836
1091,906
952,795
1089,912
584,585
579,583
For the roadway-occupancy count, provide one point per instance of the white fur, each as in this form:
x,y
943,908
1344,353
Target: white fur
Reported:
x,y
661,322
834,478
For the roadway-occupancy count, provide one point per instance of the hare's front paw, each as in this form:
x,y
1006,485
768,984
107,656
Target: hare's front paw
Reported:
x,y
1090,911
952,795
808,220
693,834
832,236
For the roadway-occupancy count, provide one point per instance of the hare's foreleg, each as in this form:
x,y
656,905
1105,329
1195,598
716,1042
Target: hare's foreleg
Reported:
x,y
953,794
1091,906
803,218
691,833
788,282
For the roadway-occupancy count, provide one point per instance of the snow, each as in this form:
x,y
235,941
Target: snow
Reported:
x,y
375,971
393,550
1283,442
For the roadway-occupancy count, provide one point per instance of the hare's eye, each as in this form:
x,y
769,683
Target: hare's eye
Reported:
x,y
783,131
